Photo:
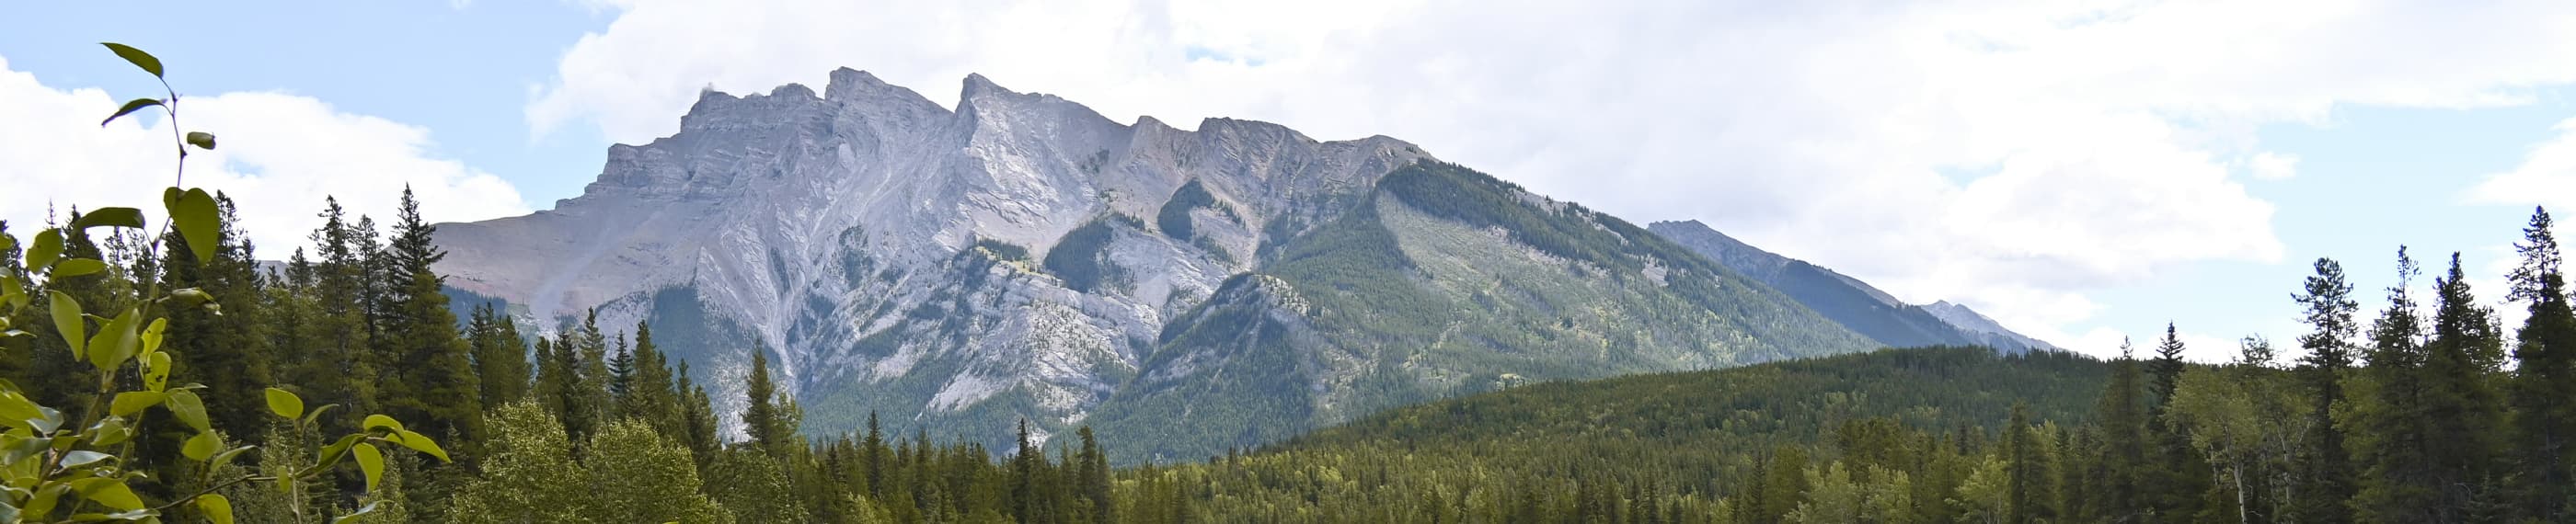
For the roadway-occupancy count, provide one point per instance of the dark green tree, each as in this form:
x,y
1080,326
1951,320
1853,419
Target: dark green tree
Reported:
x,y
229,349
2385,431
2324,482
762,418
432,378
2463,414
2124,442
2544,380
501,355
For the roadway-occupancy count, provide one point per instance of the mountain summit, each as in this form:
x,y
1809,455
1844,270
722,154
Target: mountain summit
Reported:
x,y
1022,256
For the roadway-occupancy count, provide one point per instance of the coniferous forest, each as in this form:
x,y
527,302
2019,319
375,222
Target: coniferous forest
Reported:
x,y
164,374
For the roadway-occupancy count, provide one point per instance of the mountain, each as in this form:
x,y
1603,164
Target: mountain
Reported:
x,y
1021,256
1849,301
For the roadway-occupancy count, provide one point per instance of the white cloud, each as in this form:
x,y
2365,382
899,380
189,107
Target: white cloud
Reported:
x,y
2268,165
2109,134
278,155
2546,176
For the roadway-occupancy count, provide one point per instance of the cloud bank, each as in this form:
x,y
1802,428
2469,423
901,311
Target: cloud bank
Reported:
x,y
2011,155
278,156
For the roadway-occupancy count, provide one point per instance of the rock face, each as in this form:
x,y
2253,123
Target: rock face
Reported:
x,y
1023,256
1849,301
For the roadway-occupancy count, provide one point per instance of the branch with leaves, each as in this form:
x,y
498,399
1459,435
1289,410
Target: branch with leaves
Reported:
x,y
55,470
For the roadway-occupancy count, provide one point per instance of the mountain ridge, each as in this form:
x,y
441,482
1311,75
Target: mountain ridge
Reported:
x,y
1850,301
1024,257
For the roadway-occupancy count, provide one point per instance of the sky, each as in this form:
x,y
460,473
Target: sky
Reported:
x,y
2082,171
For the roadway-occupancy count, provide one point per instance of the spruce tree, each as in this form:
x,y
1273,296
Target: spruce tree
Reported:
x,y
699,419
339,367
2123,442
430,377
501,356
2385,431
652,394
761,417
1094,478
230,342
586,405
621,375
2544,380
2324,484
2176,469
2462,410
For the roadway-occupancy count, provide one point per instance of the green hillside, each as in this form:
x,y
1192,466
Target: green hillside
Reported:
x,y
1669,444
1443,281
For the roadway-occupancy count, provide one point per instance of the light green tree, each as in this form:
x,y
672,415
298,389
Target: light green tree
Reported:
x,y
525,468
636,475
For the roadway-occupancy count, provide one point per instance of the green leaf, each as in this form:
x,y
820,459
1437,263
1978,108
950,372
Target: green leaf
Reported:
x,y
317,413
190,410
45,499
132,402
370,461
130,107
67,320
201,447
78,266
49,246
115,341
152,336
108,492
110,217
381,421
23,448
420,443
332,454
216,508
226,458
353,516
199,222
136,56
111,431
191,297
159,377
83,458
201,139
285,404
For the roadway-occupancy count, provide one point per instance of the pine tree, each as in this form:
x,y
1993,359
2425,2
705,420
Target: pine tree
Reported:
x,y
2123,442
500,355
653,396
621,375
872,457
2462,411
1094,474
699,419
2176,469
2324,483
761,415
2544,380
432,379
586,405
1024,471
2384,431
338,367
236,346
2028,468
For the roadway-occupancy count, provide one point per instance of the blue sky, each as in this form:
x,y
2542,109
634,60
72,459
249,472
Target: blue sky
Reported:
x,y
2079,170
